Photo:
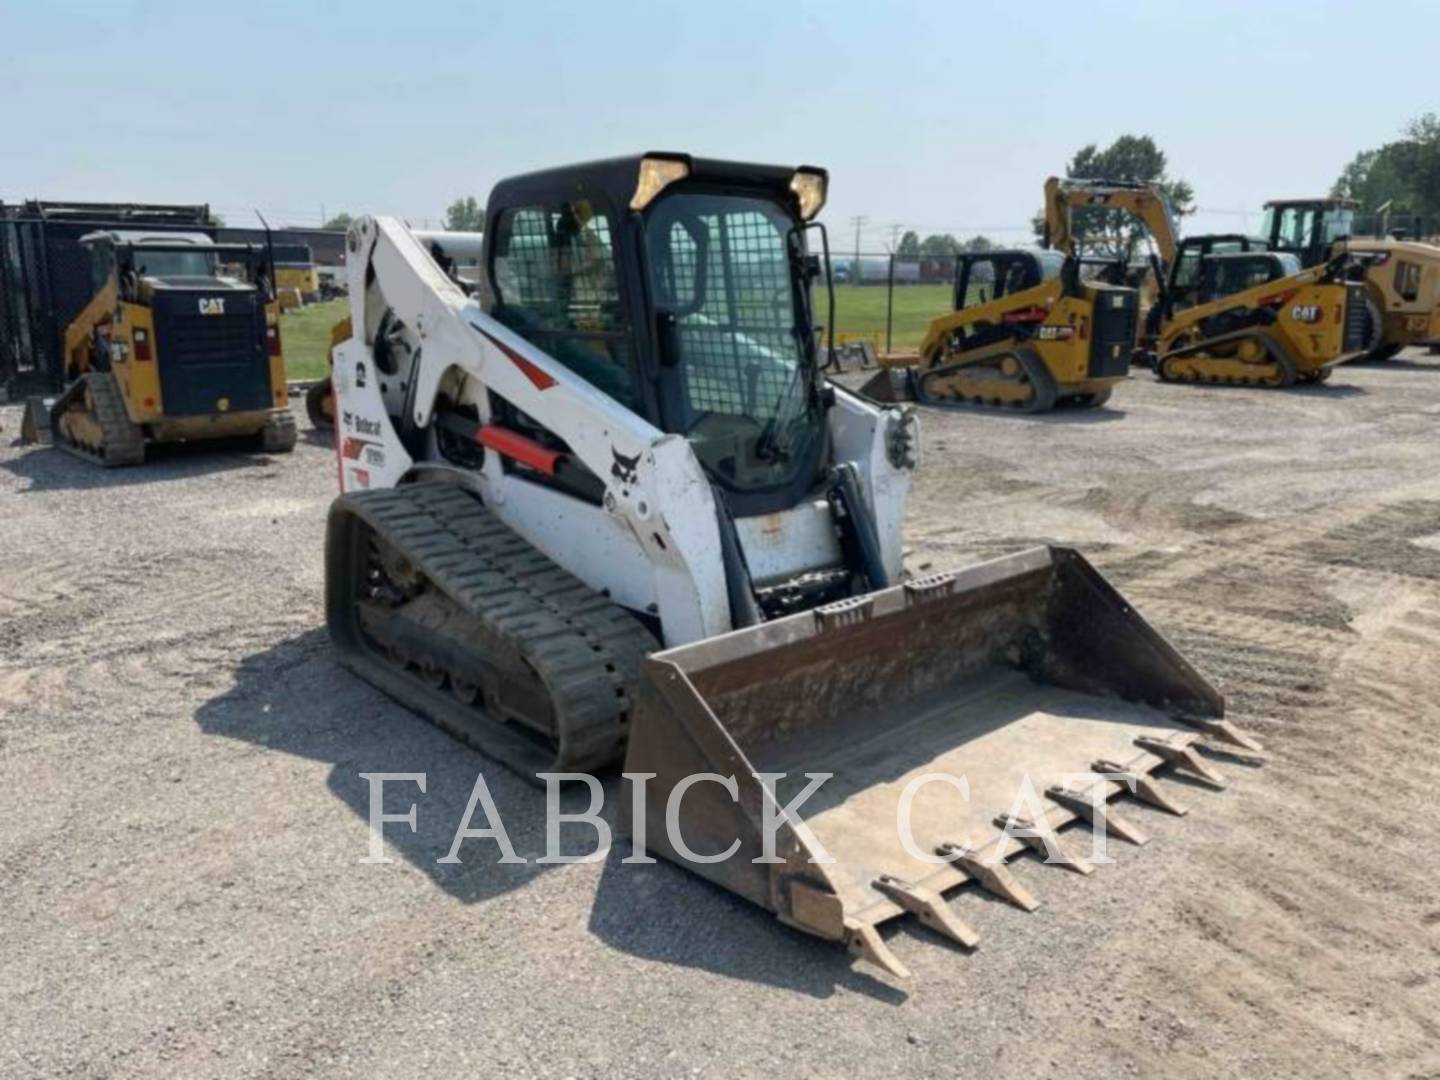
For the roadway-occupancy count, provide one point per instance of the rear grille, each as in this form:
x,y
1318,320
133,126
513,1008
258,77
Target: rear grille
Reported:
x,y
1116,315
208,339
1357,319
211,362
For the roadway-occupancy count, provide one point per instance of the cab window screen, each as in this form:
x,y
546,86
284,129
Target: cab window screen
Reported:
x,y
1407,280
556,285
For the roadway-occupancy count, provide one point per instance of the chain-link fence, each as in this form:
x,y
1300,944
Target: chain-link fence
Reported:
x,y
45,280
885,302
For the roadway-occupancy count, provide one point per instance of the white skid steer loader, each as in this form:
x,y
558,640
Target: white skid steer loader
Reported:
x,y
613,501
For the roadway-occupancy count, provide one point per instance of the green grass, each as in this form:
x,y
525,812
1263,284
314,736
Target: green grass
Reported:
x,y
860,312
305,338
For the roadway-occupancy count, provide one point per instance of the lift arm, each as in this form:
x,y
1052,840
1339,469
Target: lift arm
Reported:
x,y
1063,196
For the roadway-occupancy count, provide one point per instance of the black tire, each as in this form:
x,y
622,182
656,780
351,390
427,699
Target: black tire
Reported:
x,y
315,399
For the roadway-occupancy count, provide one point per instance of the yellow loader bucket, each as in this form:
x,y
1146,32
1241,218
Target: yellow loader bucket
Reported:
x,y
987,708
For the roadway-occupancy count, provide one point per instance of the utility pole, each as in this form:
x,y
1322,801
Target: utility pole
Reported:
x,y
859,222
895,237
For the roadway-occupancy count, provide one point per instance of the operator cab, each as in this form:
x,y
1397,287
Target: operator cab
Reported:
x,y
1230,273
1185,286
1307,228
991,275
680,287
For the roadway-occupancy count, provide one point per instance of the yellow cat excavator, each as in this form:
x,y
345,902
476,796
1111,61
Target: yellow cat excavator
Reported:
x,y
1231,311
1027,331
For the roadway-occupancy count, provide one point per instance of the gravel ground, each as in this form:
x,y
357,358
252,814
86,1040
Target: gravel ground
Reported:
x,y
180,875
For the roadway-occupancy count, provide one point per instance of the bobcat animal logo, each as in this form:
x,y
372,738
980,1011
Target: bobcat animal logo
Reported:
x,y
624,468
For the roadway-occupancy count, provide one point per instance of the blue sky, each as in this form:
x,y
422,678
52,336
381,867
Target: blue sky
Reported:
x,y
941,116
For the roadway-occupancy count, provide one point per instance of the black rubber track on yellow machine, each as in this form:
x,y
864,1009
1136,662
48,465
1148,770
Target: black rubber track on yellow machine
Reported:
x,y
124,442
584,648
1040,379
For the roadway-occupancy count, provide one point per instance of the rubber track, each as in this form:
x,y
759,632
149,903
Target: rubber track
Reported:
x,y
1044,391
124,441
279,433
586,649
1288,374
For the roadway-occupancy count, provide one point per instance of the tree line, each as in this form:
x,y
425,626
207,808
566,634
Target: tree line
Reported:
x,y
1403,174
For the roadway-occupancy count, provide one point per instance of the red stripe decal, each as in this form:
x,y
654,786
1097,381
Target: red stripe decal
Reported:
x,y
518,448
541,380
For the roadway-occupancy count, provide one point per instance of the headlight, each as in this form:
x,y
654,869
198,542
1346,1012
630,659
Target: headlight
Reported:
x,y
656,173
809,187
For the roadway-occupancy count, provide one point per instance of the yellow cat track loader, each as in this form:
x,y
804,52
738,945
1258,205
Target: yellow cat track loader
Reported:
x,y
1027,331
1256,319
168,349
610,508
1231,313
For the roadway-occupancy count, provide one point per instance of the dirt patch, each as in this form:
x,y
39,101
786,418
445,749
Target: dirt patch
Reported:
x,y
180,871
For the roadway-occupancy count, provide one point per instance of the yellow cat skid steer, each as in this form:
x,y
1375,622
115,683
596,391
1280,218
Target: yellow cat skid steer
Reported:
x,y
1245,317
1257,319
169,349
1027,330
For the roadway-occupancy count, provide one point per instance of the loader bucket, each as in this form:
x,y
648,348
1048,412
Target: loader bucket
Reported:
x,y
889,386
1028,678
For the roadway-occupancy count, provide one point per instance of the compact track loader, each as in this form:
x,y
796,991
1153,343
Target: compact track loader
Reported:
x,y
1255,320
610,507
168,350
1027,331
1402,277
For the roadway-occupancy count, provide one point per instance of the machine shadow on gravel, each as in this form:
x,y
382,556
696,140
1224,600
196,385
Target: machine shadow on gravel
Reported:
x,y
51,469
1399,363
659,912
294,698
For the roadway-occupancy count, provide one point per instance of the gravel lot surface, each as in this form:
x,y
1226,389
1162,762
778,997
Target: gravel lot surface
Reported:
x,y
181,892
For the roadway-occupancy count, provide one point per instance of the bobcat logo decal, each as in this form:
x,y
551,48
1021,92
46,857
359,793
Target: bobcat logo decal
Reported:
x,y
624,468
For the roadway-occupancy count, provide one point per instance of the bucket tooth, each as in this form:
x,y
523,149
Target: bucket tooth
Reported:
x,y
991,875
1097,814
929,907
1222,731
1043,840
1181,756
865,942
1141,785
